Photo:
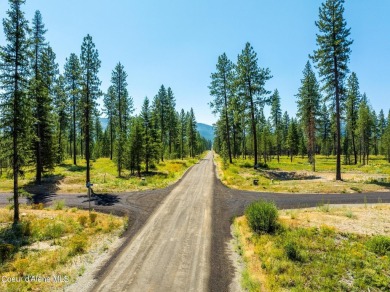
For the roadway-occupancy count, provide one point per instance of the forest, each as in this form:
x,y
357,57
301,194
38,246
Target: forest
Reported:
x,y
48,115
334,116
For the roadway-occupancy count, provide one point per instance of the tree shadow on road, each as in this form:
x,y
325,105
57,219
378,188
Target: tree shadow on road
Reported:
x,y
101,199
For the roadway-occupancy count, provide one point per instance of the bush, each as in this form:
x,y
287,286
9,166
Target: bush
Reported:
x,y
59,205
39,206
54,230
292,251
78,244
379,244
82,220
92,217
6,251
262,216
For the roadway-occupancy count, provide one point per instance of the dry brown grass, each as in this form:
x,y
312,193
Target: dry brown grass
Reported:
x,y
362,219
79,241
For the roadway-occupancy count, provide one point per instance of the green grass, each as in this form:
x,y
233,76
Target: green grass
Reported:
x,y
297,176
314,259
68,178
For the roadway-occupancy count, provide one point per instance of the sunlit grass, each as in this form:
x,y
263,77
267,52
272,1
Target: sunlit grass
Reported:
x,y
318,258
297,176
68,178
52,243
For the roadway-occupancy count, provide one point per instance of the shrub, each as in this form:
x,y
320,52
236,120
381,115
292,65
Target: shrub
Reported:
x,y
39,206
6,251
92,217
59,205
292,251
262,216
379,244
78,244
54,230
82,220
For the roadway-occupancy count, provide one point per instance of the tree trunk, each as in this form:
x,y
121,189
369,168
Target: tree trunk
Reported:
x,y
74,130
253,128
338,126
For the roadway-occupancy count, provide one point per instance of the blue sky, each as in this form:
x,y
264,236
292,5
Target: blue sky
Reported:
x,y
177,43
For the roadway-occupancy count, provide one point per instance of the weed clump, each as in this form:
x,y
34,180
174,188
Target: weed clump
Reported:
x,y
262,216
379,244
293,252
92,217
78,244
82,220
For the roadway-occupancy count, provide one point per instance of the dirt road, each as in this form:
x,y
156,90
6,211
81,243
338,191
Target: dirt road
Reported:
x,y
177,236
171,252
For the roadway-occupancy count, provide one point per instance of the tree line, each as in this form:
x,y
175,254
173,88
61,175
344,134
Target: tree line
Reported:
x,y
333,118
47,116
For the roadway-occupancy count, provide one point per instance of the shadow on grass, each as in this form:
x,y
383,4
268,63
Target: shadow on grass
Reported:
x,y
73,168
12,238
153,173
287,175
384,184
50,184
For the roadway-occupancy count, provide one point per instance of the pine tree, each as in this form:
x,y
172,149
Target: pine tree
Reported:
x,y
352,105
285,125
171,121
161,108
182,130
251,80
293,139
123,107
90,65
136,146
308,108
364,128
381,129
61,108
147,133
276,117
221,88
15,106
375,132
191,132
44,107
98,138
72,74
44,71
110,108
332,57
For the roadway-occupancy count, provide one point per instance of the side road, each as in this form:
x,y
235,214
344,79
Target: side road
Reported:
x,y
178,235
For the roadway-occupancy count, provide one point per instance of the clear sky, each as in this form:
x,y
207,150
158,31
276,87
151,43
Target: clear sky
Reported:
x,y
177,42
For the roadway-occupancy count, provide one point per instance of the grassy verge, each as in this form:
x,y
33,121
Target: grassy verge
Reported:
x,y
48,250
310,256
297,177
68,178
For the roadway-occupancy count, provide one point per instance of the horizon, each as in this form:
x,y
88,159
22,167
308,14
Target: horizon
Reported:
x,y
177,44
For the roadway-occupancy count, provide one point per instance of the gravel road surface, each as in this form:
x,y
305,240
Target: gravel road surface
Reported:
x,y
177,237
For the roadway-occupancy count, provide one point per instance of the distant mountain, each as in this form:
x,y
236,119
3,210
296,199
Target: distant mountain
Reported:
x,y
206,131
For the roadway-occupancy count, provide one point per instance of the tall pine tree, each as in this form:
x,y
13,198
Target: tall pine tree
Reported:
x,y
90,82
72,76
221,88
308,108
332,57
16,117
251,81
